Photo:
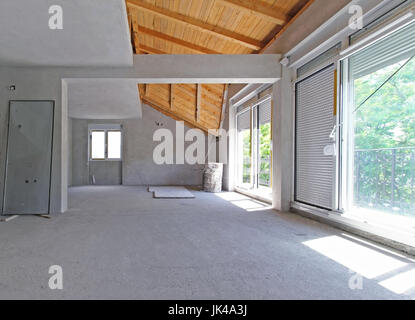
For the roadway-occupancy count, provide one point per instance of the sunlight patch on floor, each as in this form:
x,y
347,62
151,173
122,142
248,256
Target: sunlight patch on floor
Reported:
x,y
244,202
401,283
359,258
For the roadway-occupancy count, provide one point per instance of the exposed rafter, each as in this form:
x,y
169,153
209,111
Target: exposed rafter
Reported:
x,y
197,24
259,9
198,101
147,49
176,41
134,32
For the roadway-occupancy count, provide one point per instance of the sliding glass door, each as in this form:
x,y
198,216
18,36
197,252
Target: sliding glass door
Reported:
x,y
379,127
254,142
244,149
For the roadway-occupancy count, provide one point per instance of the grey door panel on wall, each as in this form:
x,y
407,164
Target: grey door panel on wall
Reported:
x,y
29,157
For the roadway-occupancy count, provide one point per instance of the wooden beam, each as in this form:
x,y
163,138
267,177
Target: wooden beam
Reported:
x,y
260,9
171,97
279,33
223,111
197,24
191,124
151,50
134,26
177,41
198,101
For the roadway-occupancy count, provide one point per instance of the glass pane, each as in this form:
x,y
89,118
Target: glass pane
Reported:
x,y
114,145
98,145
244,150
384,139
264,144
264,174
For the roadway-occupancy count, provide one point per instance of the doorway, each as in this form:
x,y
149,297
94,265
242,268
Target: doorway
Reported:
x,y
254,143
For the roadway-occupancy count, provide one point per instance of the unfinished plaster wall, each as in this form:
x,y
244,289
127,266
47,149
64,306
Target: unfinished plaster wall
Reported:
x,y
138,167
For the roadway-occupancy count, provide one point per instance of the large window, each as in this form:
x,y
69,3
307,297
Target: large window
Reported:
x,y
105,143
379,118
254,156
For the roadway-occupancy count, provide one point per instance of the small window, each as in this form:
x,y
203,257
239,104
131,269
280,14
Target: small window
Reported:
x,y
105,144
98,145
114,144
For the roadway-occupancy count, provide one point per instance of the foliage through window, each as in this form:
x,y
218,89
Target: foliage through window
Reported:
x,y
382,126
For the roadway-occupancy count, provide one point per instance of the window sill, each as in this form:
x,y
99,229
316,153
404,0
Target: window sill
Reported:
x,y
399,239
260,194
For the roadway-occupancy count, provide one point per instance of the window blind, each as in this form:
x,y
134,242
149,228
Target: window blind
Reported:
x,y
315,171
264,112
392,49
244,121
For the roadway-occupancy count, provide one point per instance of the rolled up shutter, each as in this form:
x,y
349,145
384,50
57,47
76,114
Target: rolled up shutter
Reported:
x,y
390,50
315,171
244,121
264,112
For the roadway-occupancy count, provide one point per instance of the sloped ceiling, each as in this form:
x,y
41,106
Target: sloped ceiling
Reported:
x,y
204,27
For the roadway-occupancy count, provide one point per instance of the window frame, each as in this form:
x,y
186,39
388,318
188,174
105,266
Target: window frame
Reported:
x,y
252,108
105,129
347,123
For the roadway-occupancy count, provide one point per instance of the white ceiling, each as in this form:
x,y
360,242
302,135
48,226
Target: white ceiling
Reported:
x,y
95,33
103,99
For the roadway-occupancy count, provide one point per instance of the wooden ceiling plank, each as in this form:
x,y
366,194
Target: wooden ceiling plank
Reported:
x,y
134,25
259,9
279,34
176,41
200,25
190,124
151,50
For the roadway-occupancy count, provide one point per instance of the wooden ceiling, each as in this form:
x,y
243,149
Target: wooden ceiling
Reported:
x,y
198,105
204,27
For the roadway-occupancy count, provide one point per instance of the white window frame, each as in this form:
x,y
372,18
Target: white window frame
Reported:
x,y
338,217
254,154
104,128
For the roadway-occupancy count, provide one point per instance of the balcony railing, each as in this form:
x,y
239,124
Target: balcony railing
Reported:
x,y
384,179
264,175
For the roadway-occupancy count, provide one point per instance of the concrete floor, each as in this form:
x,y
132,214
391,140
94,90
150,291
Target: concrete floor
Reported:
x,y
119,242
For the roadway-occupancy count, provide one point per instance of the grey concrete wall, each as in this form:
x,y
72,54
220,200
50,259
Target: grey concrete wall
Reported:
x,y
138,167
105,173
229,126
282,142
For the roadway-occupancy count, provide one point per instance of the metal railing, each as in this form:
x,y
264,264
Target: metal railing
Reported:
x,y
384,179
264,175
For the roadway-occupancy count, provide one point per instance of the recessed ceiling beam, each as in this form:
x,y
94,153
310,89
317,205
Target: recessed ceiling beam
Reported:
x,y
186,68
259,9
197,24
176,41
